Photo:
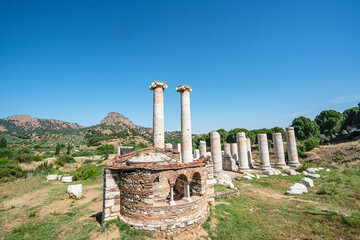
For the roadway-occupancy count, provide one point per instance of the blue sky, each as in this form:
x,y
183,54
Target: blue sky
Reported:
x,y
251,64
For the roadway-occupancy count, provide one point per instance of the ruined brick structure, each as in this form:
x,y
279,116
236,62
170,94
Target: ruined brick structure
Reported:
x,y
162,196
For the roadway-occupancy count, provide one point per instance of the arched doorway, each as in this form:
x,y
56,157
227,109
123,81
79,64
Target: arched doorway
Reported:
x,y
179,187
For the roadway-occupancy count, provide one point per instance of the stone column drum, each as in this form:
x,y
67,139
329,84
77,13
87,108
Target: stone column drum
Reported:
x,y
158,117
279,151
248,146
202,146
234,151
216,152
227,150
186,138
263,152
242,152
196,154
291,146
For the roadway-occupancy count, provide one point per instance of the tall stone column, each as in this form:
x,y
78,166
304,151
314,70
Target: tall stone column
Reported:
x,y
264,152
202,146
227,149
216,152
234,151
248,146
242,152
291,146
158,114
279,151
186,138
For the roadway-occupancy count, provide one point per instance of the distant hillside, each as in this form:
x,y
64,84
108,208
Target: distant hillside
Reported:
x,y
22,124
115,118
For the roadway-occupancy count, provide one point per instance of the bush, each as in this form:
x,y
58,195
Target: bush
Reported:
x,y
311,143
88,172
36,158
63,159
83,153
9,169
44,169
47,154
106,149
301,151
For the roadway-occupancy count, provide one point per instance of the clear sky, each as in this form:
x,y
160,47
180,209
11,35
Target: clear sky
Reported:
x,y
251,64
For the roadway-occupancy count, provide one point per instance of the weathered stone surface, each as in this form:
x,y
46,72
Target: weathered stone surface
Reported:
x,y
291,146
307,182
158,113
67,179
291,172
264,152
234,151
196,154
186,137
202,148
216,152
225,183
242,152
52,177
247,177
312,175
297,188
305,173
279,151
327,170
75,191
310,170
168,145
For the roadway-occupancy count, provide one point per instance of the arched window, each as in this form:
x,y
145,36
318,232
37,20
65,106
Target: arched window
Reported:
x,y
179,190
196,185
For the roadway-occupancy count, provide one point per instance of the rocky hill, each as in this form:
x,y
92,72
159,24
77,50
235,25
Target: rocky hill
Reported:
x,y
20,124
115,118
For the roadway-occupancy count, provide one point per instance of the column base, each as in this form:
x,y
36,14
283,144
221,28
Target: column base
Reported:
x,y
281,166
172,203
265,167
243,170
187,199
294,164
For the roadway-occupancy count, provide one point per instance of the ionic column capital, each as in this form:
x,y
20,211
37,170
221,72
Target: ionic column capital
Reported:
x,y
156,84
183,88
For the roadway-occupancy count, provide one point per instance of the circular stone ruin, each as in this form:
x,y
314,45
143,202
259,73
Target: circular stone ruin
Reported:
x,y
150,190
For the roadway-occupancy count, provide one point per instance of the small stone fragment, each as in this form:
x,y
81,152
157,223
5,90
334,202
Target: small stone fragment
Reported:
x,y
308,182
297,188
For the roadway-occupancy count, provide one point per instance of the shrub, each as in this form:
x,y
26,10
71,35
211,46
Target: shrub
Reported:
x,y
83,153
9,169
36,158
106,149
87,172
44,169
47,154
311,143
63,159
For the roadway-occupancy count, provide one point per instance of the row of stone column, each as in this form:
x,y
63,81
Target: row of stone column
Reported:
x,y
241,151
158,118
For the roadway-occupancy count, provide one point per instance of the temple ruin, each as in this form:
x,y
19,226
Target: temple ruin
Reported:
x,y
166,188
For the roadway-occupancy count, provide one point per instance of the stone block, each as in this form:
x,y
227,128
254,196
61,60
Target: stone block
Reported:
x,y
115,208
67,179
52,177
75,191
109,203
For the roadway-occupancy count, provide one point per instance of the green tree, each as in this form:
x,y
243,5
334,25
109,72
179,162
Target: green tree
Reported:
x,y
329,122
305,128
351,119
69,147
3,143
223,134
231,137
57,149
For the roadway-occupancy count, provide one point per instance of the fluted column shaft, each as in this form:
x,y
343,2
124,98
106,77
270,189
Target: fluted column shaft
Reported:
x,y
158,113
264,152
291,146
242,151
216,152
202,146
279,150
186,138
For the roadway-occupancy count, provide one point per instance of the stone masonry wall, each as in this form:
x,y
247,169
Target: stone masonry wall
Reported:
x,y
111,196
